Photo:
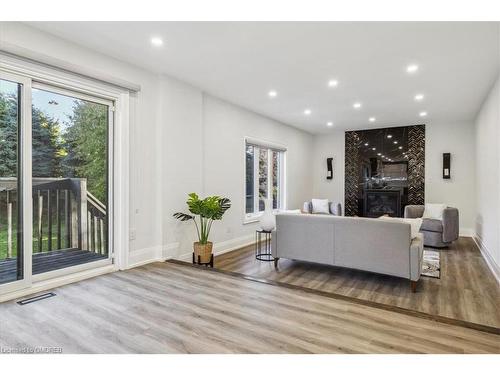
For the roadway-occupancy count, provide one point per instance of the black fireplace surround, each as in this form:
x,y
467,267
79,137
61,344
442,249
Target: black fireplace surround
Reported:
x,y
384,170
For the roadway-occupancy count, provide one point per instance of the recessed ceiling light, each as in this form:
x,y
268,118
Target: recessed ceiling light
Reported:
x,y
372,119
389,136
400,147
412,68
422,114
373,148
379,154
307,112
395,142
272,94
366,144
329,123
419,97
333,83
357,105
155,41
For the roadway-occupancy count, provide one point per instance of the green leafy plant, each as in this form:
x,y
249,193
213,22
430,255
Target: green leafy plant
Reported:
x,y
207,210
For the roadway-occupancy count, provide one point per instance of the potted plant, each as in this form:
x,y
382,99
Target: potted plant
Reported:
x,y
204,212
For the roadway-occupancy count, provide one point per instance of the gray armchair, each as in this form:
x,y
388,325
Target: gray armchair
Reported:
x,y
437,233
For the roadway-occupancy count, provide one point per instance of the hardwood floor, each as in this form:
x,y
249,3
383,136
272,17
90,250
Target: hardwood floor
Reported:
x,y
171,308
466,291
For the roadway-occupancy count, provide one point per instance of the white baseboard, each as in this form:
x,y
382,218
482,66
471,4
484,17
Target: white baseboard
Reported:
x,y
141,257
222,247
57,282
495,269
466,232
170,249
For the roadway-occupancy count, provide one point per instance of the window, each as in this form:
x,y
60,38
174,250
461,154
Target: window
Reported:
x,y
264,177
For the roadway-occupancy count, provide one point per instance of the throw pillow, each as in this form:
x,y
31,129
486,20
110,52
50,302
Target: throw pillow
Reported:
x,y
320,206
433,211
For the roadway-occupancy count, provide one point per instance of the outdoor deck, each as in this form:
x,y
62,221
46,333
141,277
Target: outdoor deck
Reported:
x,y
49,261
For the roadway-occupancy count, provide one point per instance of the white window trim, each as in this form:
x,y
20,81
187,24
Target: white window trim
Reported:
x,y
26,72
271,146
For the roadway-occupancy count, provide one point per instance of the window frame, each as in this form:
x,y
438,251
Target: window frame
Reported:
x,y
270,147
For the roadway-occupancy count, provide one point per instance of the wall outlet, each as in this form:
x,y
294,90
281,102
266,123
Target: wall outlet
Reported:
x,y
132,234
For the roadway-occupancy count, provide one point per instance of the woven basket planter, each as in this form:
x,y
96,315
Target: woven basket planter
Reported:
x,y
204,251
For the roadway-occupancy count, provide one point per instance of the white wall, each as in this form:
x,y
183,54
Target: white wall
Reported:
x,y
225,128
459,190
144,151
329,146
456,138
203,140
487,201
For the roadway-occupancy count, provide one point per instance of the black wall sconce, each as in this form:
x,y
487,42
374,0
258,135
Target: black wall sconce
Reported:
x,y
329,168
447,165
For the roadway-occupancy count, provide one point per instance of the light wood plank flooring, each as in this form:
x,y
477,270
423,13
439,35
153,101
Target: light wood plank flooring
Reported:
x,y
467,290
171,308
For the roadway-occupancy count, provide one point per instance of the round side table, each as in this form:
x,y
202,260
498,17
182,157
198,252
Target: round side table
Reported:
x,y
263,253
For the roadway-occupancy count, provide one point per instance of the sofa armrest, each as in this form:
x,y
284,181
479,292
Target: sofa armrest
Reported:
x,y
416,257
450,224
413,211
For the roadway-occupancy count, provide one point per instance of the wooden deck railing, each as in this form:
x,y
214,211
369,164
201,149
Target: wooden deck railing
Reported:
x,y
65,215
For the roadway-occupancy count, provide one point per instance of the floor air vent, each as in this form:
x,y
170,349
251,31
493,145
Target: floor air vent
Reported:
x,y
36,298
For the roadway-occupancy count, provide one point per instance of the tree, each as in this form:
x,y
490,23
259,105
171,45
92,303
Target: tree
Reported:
x,y
85,145
8,135
47,150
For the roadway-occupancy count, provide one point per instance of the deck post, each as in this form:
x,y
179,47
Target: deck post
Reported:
x,y
75,234
96,236
101,226
84,224
40,210
58,219
67,217
49,222
9,226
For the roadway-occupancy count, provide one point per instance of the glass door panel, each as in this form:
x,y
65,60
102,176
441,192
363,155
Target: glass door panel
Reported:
x,y
70,179
11,244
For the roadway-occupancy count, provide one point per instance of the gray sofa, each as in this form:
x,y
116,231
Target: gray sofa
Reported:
x,y
360,243
437,233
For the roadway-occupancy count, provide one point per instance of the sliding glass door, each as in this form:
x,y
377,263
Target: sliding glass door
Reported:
x,y
70,150
55,195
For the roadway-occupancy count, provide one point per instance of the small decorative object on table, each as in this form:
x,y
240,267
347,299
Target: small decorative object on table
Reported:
x,y
263,252
208,210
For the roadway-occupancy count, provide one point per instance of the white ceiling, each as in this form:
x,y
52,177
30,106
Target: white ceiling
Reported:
x,y
242,61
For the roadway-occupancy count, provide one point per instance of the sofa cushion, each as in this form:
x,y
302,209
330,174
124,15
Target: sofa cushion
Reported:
x,y
432,225
320,206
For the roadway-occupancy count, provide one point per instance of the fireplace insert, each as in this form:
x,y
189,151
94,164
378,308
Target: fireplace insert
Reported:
x,y
380,202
